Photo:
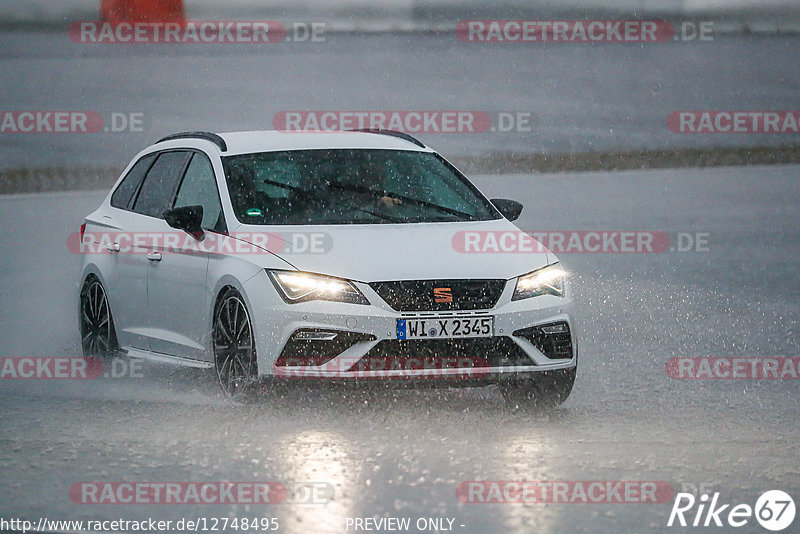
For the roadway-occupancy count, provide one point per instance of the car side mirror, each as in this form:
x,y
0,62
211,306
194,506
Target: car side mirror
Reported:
x,y
510,209
187,218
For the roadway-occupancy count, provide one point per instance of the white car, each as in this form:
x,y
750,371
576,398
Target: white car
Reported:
x,y
320,255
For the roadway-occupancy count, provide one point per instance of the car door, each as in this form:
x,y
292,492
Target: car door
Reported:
x,y
178,297
152,200
126,267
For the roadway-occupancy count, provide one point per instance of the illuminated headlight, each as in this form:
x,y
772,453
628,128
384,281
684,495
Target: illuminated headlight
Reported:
x,y
549,280
300,287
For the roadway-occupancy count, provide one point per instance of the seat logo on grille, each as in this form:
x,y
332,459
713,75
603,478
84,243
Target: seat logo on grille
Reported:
x,y
442,295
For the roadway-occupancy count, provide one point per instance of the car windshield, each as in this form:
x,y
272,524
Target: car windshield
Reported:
x,y
350,186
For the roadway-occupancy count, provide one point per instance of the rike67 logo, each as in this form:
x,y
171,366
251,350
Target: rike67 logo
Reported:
x,y
774,510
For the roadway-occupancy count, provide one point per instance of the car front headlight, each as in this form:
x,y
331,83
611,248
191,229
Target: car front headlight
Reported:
x,y
295,287
548,280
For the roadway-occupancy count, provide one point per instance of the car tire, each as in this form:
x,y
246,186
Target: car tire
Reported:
x,y
233,347
98,336
547,390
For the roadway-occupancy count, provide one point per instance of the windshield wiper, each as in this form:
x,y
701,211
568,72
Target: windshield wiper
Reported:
x,y
315,194
284,186
377,194
380,194
381,215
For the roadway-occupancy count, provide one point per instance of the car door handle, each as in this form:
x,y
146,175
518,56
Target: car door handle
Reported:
x,y
113,247
154,256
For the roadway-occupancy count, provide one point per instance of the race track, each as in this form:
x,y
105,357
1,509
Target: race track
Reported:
x,y
403,453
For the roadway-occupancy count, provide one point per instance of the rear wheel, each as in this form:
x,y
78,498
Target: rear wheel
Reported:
x,y
234,347
547,390
98,338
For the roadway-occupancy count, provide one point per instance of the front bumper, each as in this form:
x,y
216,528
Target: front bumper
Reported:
x,y
367,346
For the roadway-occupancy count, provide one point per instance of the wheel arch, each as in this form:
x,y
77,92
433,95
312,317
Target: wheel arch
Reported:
x,y
225,284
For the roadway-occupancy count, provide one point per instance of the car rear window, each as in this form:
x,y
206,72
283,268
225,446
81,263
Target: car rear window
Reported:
x,y
121,198
155,195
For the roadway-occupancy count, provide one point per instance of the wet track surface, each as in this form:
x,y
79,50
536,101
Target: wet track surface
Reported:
x,y
580,97
403,453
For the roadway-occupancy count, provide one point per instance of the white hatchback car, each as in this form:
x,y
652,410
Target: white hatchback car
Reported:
x,y
320,255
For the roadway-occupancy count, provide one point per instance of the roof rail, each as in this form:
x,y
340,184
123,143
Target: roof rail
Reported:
x,y
393,133
208,136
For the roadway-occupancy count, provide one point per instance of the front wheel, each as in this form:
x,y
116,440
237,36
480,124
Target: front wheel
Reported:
x,y
234,347
547,390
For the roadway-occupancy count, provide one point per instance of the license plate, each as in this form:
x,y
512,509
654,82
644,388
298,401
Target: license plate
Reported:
x,y
445,327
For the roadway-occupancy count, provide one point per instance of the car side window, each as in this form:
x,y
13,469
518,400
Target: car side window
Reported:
x,y
156,193
199,188
121,197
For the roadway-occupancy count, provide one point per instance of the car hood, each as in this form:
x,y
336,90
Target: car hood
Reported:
x,y
382,252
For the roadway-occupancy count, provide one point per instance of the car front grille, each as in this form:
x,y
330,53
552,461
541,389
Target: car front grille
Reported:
x,y
440,295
